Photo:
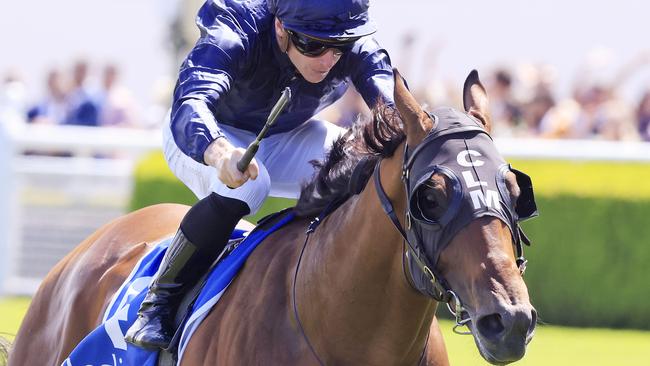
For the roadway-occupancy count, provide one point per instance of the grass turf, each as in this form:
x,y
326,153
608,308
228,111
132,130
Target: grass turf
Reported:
x,y
551,346
12,311
558,346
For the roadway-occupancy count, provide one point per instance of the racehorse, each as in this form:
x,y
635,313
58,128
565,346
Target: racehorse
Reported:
x,y
359,287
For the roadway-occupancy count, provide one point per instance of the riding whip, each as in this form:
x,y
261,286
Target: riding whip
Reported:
x,y
252,148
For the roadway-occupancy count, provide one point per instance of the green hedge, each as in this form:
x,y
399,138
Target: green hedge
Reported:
x,y
591,244
155,183
588,262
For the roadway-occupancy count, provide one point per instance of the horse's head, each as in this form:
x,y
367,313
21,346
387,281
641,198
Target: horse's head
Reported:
x,y
464,203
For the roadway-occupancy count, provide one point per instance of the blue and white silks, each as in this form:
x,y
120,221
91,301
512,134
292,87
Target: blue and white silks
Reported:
x,y
105,346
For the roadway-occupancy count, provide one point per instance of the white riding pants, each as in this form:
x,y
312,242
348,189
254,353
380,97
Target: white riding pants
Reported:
x,y
283,160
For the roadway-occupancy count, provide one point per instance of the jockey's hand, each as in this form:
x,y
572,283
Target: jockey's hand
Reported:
x,y
223,156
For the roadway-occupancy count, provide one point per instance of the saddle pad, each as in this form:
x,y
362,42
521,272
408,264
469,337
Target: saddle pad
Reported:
x,y
106,346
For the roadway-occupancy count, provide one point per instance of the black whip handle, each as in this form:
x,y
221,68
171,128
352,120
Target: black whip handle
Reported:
x,y
242,164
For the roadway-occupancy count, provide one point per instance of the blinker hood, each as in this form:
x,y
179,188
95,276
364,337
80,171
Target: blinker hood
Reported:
x,y
459,148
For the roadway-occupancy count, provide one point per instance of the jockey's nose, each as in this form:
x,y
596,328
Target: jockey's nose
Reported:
x,y
329,58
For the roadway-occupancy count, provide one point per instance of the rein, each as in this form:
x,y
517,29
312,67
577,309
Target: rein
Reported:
x,y
312,227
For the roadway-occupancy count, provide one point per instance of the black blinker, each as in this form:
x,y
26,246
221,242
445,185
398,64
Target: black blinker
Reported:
x,y
526,207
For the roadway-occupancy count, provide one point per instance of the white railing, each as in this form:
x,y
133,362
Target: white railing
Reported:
x,y
574,149
55,191
81,140
48,204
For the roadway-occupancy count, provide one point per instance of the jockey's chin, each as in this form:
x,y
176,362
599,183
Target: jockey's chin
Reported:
x,y
314,69
314,76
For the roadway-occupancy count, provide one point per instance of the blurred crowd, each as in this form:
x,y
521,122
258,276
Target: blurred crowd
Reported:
x,y
76,95
525,102
523,99
593,110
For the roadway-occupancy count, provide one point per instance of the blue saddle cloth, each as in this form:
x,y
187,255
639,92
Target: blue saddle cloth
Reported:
x,y
105,346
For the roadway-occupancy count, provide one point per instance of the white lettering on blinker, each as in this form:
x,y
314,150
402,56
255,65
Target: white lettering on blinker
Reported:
x,y
479,199
470,182
491,199
463,160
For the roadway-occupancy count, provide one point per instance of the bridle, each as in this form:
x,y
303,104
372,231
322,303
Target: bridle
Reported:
x,y
438,287
443,292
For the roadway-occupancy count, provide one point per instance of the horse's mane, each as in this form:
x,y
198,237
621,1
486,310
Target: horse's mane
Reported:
x,y
374,138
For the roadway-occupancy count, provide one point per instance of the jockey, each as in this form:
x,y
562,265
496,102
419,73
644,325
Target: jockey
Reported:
x,y
248,52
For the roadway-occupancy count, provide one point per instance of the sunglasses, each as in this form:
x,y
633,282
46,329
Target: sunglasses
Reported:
x,y
313,47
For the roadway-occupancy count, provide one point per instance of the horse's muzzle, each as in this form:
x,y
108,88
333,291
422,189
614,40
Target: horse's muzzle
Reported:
x,y
502,336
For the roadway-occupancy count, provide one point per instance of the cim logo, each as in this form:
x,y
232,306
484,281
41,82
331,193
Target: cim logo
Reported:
x,y
479,199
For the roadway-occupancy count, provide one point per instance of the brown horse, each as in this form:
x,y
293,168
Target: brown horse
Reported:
x,y
354,300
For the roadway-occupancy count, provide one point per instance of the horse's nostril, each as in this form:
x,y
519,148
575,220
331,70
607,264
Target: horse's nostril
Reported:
x,y
490,326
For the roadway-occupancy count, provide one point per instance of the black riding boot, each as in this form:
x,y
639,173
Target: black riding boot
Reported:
x,y
203,234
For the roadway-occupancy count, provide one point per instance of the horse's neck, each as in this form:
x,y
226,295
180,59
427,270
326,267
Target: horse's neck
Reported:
x,y
353,297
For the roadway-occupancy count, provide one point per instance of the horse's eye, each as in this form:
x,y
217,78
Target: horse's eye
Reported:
x,y
428,199
428,203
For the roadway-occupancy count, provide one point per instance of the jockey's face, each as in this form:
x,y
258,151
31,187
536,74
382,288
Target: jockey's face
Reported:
x,y
313,69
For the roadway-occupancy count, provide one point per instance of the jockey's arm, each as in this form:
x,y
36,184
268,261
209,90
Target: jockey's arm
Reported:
x,y
372,73
205,76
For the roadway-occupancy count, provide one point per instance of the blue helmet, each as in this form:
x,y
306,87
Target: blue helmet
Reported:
x,y
327,19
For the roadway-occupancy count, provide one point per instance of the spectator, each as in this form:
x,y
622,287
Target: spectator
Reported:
x,y
580,117
83,106
117,107
53,108
617,121
643,117
535,110
12,98
506,111
557,121
591,119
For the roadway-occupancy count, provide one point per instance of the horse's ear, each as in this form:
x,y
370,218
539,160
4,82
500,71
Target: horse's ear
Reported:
x,y
416,122
475,100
